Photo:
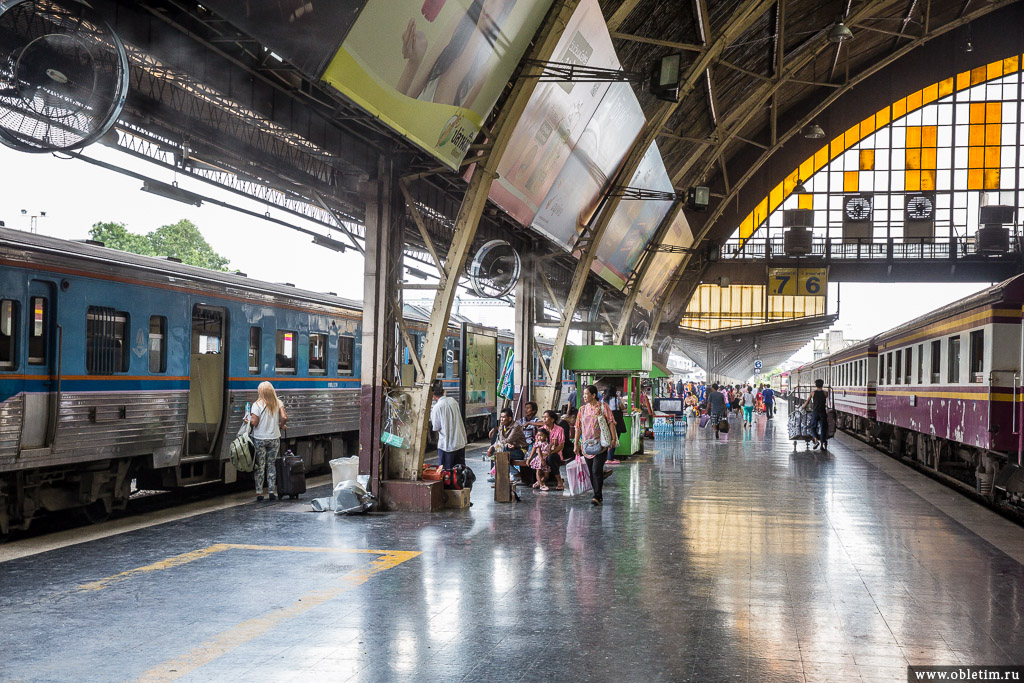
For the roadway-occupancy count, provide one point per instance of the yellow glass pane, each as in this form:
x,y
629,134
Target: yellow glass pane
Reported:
x,y
837,147
899,108
775,197
931,93
867,160
977,112
914,101
852,136
976,135
821,158
883,117
851,181
1011,64
867,126
913,159
807,169
761,211
927,180
929,136
994,70
928,155
993,133
991,157
978,75
747,227
993,112
975,157
913,180
913,136
789,183
974,179
991,179
946,87
963,80
806,201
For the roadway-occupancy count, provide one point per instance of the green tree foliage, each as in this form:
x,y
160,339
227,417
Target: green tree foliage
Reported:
x,y
181,240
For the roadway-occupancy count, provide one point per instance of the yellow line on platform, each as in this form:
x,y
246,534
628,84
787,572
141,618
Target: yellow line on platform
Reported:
x,y
251,629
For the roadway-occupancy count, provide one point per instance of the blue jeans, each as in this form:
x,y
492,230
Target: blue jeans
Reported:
x,y
819,426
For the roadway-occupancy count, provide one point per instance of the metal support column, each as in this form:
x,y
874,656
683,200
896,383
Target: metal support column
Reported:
x,y
466,224
380,283
522,366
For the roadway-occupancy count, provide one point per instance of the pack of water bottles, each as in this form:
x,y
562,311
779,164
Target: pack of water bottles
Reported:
x,y
679,425
663,427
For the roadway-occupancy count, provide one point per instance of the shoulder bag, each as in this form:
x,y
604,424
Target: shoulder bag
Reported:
x,y
242,449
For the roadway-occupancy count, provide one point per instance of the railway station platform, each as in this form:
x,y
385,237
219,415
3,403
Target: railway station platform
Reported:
x,y
739,559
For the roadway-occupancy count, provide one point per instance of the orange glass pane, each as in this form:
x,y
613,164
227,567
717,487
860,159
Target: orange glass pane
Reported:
x,y
820,158
963,80
978,75
1011,64
927,180
946,87
994,70
747,227
992,157
852,136
913,159
974,179
993,133
931,93
851,181
991,179
928,155
975,157
867,126
976,135
882,117
913,136
806,169
806,201
914,101
899,108
929,136
977,112
867,160
837,147
775,197
761,211
913,181
993,112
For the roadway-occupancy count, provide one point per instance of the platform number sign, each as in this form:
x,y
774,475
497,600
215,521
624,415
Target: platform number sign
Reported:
x,y
758,365
797,281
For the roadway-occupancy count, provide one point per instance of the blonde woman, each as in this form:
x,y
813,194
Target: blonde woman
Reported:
x,y
267,417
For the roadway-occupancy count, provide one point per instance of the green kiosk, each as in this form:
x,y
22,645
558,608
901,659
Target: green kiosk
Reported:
x,y
621,367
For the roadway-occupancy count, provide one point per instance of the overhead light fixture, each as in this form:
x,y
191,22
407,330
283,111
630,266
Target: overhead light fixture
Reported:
x,y
325,241
416,273
839,33
799,188
968,47
169,191
814,132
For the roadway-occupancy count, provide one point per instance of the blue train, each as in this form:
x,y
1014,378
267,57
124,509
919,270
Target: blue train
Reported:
x,y
116,367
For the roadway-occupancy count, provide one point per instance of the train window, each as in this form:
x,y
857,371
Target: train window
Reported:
x,y
936,361
899,368
38,331
977,356
920,363
106,336
954,359
881,369
317,354
8,330
907,364
157,343
346,349
285,352
888,368
255,346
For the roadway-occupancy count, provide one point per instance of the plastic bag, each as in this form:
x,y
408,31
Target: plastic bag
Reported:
x,y
348,498
577,477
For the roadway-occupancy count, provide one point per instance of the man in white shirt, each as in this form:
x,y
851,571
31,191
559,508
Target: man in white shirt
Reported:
x,y
446,420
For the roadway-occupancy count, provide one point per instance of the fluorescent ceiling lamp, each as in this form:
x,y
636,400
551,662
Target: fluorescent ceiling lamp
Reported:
x,y
325,241
169,191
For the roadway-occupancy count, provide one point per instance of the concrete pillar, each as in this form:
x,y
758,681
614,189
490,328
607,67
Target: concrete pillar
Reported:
x,y
522,367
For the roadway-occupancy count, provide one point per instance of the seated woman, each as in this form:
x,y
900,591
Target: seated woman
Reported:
x,y
557,438
538,457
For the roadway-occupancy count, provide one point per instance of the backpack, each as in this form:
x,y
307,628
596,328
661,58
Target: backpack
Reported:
x,y
459,477
243,451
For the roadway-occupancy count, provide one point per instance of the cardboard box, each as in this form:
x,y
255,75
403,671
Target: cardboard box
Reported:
x,y
456,499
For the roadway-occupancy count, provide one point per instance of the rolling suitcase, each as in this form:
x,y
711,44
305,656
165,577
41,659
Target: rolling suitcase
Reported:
x,y
291,475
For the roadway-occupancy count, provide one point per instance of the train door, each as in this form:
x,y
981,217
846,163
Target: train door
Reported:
x,y
207,378
41,369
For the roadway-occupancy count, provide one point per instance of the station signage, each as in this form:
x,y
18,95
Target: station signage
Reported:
x,y
797,281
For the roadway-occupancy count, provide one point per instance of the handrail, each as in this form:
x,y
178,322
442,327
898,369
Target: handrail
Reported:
x,y
889,249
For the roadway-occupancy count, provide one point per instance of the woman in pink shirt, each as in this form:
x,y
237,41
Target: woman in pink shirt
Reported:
x,y
556,448
588,429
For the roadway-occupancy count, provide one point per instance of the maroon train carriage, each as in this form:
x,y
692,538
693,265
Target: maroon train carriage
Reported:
x,y
852,378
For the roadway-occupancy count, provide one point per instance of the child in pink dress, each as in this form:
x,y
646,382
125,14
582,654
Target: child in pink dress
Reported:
x,y
538,458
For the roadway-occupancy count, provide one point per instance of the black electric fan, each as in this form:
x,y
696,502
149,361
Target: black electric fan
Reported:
x,y
495,269
63,75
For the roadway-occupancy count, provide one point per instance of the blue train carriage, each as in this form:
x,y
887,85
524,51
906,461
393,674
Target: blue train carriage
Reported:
x,y
115,366
450,370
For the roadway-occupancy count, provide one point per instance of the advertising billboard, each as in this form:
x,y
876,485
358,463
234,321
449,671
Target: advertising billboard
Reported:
x,y
304,33
634,222
590,168
433,69
481,372
555,117
665,263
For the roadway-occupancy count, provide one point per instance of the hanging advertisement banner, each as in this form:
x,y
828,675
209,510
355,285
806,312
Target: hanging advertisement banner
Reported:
x,y
634,222
305,34
664,265
589,170
505,388
433,70
480,349
555,118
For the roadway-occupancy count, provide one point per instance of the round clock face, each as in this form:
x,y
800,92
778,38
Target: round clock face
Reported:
x,y
858,208
919,208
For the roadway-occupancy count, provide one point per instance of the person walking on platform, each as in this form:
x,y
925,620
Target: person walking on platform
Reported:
x,y
267,418
588,430
716,407
748,406
768,396
446,420
679,387
819,414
